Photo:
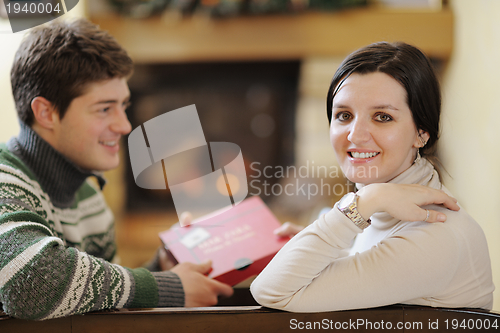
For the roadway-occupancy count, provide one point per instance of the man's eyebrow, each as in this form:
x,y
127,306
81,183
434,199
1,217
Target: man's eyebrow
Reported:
x,y
106,102
110,101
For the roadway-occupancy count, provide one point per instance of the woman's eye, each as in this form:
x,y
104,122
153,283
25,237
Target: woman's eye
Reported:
x,y
382,117
342,116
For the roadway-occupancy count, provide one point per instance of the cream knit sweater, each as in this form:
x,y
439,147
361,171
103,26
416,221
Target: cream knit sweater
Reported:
x,y
333,265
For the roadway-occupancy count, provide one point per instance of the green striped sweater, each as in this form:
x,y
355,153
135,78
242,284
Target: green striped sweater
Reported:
x,y
55,261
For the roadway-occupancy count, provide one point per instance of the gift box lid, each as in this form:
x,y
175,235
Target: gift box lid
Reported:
x,y
239,241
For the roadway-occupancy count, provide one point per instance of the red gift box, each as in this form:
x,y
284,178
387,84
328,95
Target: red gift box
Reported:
x,y
239,241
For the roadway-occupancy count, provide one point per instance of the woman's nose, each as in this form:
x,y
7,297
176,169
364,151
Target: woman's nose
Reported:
x,y
359,132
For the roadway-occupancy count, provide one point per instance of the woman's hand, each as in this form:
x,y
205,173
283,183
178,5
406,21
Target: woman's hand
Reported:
x,y
404,202
288,229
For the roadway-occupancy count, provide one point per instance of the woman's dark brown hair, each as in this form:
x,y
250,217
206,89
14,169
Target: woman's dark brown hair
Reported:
x,y
412,69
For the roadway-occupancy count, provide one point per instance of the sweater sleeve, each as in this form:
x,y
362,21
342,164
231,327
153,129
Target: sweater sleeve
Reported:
x,y
42,278
311,274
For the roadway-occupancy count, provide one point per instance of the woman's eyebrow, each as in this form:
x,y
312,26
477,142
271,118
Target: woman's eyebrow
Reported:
x,y
376,107
385,106
340,106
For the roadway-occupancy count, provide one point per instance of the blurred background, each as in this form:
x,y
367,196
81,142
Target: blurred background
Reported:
x,y
258,72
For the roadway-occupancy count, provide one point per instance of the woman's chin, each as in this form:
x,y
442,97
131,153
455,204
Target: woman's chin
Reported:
x,y
362,174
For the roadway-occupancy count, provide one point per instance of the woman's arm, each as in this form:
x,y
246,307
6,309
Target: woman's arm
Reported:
x,y
312,272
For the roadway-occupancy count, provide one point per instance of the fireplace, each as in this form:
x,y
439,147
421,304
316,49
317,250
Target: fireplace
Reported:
x,y
251,104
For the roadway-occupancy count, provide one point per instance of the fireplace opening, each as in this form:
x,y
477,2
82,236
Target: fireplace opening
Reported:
x,y
251,104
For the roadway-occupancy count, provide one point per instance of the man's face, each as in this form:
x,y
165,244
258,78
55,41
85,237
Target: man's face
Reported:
x,y
90,131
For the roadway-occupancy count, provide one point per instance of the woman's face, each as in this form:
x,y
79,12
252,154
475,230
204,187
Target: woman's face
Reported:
x,y
372,129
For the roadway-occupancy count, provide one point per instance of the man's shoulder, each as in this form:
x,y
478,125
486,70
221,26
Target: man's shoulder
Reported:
x,y
88,190
9,163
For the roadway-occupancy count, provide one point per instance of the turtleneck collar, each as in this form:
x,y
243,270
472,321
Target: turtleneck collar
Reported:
x,y
421,172
57,176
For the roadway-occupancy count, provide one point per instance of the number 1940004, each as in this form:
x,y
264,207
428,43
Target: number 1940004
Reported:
x,y
34,8
472,324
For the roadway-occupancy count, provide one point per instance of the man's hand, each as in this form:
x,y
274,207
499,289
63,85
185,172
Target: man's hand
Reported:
x,y
198,288
166,260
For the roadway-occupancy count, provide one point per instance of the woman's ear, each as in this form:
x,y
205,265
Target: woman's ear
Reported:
x,y
421,139
44,112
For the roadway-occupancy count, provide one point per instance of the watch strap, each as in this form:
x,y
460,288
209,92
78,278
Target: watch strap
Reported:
x,y
351,211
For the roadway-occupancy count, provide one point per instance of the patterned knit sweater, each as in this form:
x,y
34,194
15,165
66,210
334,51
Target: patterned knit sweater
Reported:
x,y
56,241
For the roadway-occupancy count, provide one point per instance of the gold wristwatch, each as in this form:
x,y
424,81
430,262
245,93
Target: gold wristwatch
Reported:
x,y
349,206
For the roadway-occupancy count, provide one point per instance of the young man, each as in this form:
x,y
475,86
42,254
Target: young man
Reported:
x,y
69,82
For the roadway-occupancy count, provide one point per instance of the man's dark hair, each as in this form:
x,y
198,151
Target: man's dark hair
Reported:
x,y
59,60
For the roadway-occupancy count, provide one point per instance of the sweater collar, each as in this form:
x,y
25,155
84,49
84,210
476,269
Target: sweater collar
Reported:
x,y
421,172
57,176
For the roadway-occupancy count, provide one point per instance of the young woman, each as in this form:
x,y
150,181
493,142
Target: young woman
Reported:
x,y
400,238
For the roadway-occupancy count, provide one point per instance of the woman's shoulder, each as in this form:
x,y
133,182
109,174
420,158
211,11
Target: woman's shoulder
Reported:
x,y
459,232
462,225
460,219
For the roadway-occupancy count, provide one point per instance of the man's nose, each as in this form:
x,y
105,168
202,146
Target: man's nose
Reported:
x,y
121,124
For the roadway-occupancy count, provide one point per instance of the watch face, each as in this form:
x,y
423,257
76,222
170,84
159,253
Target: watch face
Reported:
x,y
346,200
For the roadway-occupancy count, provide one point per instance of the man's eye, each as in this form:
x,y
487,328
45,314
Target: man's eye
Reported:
x,y
127,104
382,117
342,116
104,110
